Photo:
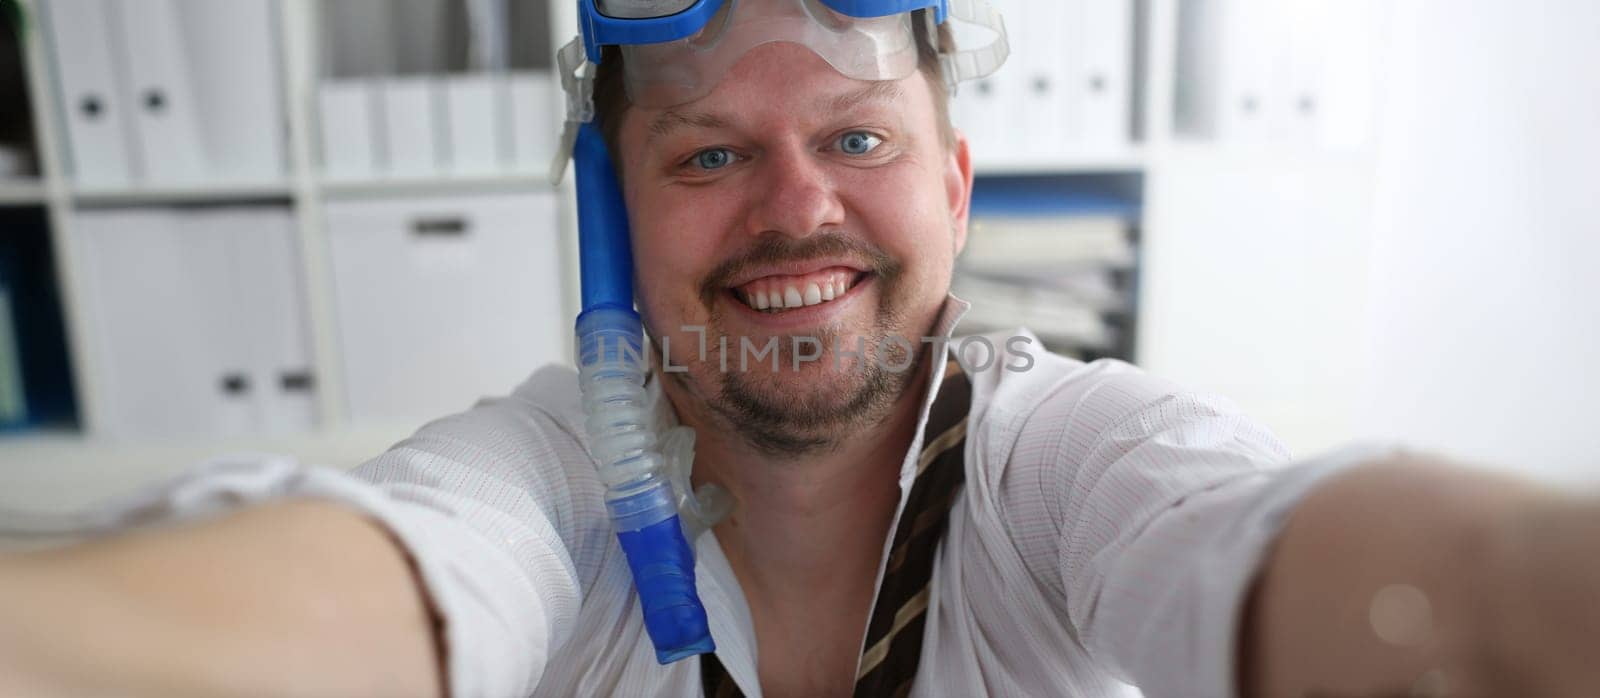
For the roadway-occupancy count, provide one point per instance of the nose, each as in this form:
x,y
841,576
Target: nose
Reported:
x,y
798,198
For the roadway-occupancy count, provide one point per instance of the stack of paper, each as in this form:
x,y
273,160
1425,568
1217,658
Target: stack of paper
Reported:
x,y
1030,244
1058,316
1045,254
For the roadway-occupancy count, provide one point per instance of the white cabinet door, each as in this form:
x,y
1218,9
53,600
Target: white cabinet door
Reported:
x,y
166,345
195,311
442,301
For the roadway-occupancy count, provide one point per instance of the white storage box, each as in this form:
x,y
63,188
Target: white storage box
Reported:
x,y
443,301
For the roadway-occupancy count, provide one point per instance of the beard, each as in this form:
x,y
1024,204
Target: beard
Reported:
x,y
803,408
821,402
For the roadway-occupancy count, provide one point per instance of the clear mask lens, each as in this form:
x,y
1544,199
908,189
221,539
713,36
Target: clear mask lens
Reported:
x,y
641,9
670,73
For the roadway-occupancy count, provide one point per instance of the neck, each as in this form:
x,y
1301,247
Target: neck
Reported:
x,y
812,521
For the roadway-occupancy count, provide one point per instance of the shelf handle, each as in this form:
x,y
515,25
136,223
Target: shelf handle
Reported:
x,y
441,226
235,384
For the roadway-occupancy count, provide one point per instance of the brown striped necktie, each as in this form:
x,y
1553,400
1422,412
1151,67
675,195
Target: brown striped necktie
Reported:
x,y
894,633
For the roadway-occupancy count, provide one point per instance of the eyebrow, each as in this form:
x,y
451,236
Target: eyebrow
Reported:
x,y
672,119
878,91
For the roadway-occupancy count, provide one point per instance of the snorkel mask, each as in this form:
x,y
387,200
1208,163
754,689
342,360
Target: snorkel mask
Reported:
x,y
676,51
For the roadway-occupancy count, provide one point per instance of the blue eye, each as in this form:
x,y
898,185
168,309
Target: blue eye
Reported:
x,y
713,158
858,143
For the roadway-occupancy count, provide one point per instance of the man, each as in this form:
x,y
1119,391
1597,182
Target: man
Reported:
x,y
1093,523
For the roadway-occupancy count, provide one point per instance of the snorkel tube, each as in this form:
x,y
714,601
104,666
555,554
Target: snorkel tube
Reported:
x,y
640,494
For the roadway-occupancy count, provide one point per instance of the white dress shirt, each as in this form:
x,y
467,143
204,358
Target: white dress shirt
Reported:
x,y
1108,531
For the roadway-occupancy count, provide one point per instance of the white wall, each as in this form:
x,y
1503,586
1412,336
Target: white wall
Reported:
x,y
1437,290
1485,301
1255,283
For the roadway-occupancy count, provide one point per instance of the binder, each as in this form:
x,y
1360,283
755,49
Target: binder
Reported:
x,y
1103,83
91,97
977,112
161,98
535,121
1057,41
411,137
1248,108
1028,120
272,306
1300,90
982,109
13,402
233,60
220,274
1031,116
349,128
472,105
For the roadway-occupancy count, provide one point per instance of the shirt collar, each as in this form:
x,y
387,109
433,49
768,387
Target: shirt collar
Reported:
x,y
943,330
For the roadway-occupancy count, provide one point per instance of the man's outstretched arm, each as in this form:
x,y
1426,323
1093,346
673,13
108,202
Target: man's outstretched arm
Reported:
x,y
297,597
1407,577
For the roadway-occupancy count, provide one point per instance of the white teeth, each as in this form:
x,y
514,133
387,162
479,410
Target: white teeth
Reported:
x,y
789,296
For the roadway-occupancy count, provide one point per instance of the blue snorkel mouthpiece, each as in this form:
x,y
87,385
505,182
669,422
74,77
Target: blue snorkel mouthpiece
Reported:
x,y
611,371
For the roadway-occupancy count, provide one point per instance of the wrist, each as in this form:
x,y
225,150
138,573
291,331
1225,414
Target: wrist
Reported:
x,y
1544,611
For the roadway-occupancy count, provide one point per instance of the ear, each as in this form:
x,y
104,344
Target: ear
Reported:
x,y
958,187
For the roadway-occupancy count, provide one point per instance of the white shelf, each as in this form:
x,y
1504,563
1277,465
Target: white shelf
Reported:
x,y
21,192
341,188
63,471
1131,160
205,193
77,466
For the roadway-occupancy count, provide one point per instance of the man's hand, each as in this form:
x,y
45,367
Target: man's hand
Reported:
x,y
1414,578
290,598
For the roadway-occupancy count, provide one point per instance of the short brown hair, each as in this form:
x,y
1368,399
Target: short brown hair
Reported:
x,y
611,98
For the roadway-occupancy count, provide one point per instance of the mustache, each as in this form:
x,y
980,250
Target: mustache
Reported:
x,y
776,248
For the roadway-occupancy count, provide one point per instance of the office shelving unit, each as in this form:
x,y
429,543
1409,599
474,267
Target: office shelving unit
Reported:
x,y
305,191
302,189
21,193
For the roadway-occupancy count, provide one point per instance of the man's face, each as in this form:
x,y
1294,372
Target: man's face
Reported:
x,y
793,202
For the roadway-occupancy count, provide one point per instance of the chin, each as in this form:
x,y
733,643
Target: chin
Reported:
x,y
814,405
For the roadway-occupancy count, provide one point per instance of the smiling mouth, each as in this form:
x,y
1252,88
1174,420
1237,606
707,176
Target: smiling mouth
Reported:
x,y
777,294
